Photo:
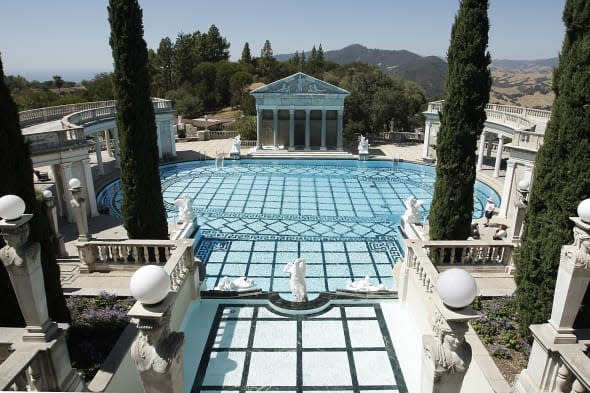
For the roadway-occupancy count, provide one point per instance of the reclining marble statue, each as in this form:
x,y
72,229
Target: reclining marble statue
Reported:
x,y
296,270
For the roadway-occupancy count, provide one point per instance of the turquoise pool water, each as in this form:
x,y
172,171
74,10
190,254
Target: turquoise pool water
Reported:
x,y
342,216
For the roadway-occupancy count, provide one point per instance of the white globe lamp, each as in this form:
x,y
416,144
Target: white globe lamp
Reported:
x,y
149,284
12,207
74,182
456,288
524,185
584,210
47,194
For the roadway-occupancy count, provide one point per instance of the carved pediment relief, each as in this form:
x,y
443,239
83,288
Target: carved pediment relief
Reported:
x,y
300,83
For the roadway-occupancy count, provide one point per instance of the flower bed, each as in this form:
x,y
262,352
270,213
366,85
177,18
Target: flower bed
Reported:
x,y
498,330
97,323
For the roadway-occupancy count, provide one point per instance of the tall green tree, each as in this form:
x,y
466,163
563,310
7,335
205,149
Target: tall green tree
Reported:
x,y
58,82
17,179
562,172
163,62
462,118
213,46
246,55
143,207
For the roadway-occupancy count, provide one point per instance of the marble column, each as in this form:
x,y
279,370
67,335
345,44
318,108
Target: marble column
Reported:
x,y
65,174
49,200
339,130
489,149
291,129
55,175
159,140
482,142
425,147
116,146
258,128
107,140
307,127
275,128
98,148
323,142
89,186
507,189
498,156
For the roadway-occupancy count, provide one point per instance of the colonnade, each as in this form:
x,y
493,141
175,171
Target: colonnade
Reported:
x,y
302,128
62,173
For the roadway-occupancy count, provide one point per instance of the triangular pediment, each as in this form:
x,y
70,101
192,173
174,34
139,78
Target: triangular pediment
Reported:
x,y
300,83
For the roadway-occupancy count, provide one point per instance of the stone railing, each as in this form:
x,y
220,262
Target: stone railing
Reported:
x,y
43,115
110,255
526,114
573,374
528,139
41,142
470,252
92,115
20,373
417,278
225,134
511,120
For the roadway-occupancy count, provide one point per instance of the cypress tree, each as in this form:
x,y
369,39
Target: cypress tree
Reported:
x,y
143,206
462,118
17,179
562,172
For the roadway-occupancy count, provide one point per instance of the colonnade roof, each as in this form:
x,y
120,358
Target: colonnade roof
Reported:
x,y
299,84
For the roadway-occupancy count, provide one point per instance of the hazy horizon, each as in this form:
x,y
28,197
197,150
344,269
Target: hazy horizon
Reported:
x,y
68,36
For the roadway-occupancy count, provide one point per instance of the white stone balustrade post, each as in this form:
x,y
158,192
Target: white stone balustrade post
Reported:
x,y
49,200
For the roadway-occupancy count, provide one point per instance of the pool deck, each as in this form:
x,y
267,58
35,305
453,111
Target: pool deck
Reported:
x,y
106,227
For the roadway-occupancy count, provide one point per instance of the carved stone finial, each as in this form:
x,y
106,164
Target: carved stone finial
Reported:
x,y
582,245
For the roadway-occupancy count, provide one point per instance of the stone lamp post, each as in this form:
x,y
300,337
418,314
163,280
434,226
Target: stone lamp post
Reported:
x,y
520,208
78,204
447,355
22,260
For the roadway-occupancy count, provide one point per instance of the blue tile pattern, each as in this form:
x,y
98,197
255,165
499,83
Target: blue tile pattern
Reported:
x,y
256,215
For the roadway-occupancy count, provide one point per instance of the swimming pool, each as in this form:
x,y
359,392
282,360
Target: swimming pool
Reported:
x,y
342,216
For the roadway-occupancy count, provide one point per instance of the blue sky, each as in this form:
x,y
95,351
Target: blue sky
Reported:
x,y
70,37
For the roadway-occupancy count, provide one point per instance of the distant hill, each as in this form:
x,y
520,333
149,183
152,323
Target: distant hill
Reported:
x,y
429,72
515,82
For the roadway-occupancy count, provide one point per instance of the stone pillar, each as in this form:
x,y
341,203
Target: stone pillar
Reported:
x,y
157,353
507,189
89,185
545,369
59,189
339,129
172,141
573,277
22,260
258,128
489,149
425,146
49,200
98,148
275,127
307,127
107,140
79,208
65,174
482,142
116,146
291,129
323,145
159,140
498,156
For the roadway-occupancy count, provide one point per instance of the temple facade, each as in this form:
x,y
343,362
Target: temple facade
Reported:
x,y
299,112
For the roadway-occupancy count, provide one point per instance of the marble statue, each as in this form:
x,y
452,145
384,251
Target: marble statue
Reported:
x,y
185,209
448,351
237,144
363,145
365,285
412,213
240,283
296,270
